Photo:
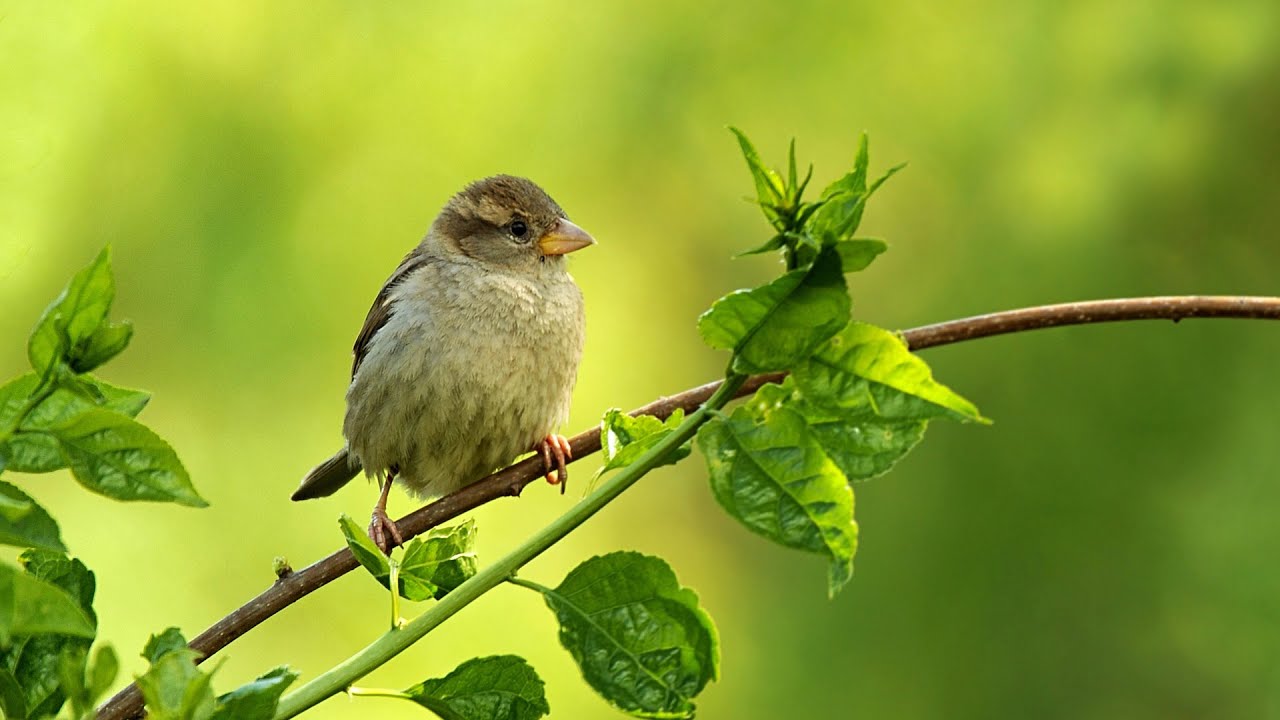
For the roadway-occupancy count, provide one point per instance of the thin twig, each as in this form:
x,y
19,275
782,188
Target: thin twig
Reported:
x,y
511,480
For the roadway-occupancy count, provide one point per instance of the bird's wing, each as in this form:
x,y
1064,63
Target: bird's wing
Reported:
x,y
380,312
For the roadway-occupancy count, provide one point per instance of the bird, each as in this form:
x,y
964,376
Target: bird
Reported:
x,y
469,354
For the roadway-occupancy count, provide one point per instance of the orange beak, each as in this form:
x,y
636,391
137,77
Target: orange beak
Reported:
x,y
564,237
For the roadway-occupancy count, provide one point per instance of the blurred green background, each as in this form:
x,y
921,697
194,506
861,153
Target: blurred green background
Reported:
x,y
1105,550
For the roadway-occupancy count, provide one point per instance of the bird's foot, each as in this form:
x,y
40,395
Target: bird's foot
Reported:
x,y
383,531
556,453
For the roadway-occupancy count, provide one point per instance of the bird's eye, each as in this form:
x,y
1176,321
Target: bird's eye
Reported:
x,y
518,228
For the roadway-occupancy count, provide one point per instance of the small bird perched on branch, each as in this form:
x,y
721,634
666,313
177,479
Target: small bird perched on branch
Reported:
x,y
469,354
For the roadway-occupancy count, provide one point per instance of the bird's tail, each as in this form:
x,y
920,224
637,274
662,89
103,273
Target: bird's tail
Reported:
x,y
325,478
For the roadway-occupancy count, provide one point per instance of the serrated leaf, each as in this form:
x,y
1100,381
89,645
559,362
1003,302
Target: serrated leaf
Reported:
x,y
32,452
50,668
30,606
771,475
109,340
857,253
24,523
625,438
31,448
65,329
256,700
170,640
15,396
862,444
501,687
866,367
777,325
37,662
440,560
769,186
114,455
640,639
68,573
81,394
432,564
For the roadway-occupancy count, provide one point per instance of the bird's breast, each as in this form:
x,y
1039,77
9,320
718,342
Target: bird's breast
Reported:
x,y
470,370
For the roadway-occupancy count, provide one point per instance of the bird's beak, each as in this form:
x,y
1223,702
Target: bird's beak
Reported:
x,y
564,237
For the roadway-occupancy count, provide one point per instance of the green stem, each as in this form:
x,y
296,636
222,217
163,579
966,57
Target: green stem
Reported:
x,y
395,592
392,643
376,692
529,584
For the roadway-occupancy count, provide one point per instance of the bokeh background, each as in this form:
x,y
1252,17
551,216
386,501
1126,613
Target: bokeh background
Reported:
x,y
1106,550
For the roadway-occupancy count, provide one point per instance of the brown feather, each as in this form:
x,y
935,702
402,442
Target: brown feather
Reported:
x,y
380,311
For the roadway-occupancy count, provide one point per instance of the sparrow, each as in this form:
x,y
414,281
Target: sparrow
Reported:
x,y
469,354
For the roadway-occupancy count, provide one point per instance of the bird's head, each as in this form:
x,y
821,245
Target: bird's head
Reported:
x,y
507,221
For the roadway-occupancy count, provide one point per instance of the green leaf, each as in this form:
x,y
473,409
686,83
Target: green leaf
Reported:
x,y
24,523
72,663
82,394
442,560
70,574
868,368
113,397
13,703
37,664
109,340
112,454
102,672
432,564
256,700
13,508
32,452
861,443
857,253
66,329
769,186
625,438
640,639
771,474
50,668
15,397
32,448
777,242
364,550
171,640
30,606
777,325
792,180
501,687
846,199
175,689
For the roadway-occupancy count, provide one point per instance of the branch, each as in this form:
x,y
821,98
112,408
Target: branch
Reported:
x,y
511,480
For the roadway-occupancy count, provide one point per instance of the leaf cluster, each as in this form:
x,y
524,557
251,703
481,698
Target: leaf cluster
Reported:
x,y
59,416
174,688
856,400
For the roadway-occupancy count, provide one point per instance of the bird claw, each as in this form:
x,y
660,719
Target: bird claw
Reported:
x,y
556,453
383,531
